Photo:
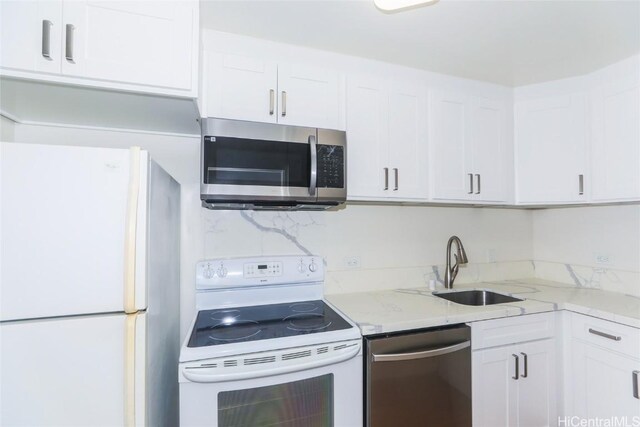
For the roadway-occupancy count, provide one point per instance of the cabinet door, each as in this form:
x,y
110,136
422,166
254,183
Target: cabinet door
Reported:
x,y
616,138
551,149
488,155
448,124
537,390
309,96
602,382
23,29
239,87
494,389
367,138
146,43
407,141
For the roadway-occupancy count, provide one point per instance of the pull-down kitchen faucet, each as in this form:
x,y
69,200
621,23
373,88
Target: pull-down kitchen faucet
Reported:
x,y
461,258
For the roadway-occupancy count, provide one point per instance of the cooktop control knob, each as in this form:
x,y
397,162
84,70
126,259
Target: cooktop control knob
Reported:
x,y
222,272
301,267
313,267
208,272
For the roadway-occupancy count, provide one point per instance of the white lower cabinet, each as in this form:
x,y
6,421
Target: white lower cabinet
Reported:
x,y
604,369
514,384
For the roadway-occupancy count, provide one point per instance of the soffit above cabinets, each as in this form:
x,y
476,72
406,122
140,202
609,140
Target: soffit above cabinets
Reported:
x,y
512,43
36,102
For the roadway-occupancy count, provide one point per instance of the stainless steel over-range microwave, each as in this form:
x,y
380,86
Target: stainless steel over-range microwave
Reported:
x,y
250,165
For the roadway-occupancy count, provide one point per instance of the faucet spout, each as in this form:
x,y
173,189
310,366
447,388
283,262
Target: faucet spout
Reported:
x,y
460,259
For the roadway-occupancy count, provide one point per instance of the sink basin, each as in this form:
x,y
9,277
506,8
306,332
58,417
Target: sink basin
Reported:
x,y
476,297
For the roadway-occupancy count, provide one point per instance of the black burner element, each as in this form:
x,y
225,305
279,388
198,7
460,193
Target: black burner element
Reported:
x,y
253,323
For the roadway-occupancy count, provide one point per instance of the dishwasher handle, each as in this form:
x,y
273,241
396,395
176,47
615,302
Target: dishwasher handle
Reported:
x,y
420,354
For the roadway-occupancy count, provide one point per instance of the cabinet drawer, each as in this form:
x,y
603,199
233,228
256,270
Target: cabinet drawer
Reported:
x,y
612,336
496,332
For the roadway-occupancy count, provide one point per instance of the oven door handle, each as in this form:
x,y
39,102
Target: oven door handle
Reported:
x,y
202,373
313,181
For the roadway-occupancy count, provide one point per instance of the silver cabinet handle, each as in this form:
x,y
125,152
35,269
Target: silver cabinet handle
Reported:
x,y
272,103
605,335
69,43
517,365
420,354
580,184
284,103
386,179
314,165
478,176
636,393
46,38
470,183
395,173
526,365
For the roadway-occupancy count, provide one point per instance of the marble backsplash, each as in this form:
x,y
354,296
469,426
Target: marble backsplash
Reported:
x,y
401,246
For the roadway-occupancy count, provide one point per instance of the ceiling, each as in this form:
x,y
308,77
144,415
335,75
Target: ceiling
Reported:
x,y
513,43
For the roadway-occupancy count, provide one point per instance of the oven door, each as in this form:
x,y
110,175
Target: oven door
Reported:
x,y
249,161
321,396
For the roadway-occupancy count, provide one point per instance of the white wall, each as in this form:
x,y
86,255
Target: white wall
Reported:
x,y
567,243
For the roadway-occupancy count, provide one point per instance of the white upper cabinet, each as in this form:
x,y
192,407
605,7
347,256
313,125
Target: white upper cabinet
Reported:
x,y
387,141
248,88
468,151
239,87
615,144
31,32
551,149
145,46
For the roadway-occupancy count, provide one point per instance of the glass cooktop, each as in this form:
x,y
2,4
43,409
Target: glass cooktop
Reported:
x,y
254,323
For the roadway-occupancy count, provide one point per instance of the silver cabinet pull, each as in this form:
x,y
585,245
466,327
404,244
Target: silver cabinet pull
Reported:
x,y
478,176
605,335
386,179
314,165
284,103
272,101
580,184
69,43
470,183
46,38
420,354
636,393
526,365
517,365
395,173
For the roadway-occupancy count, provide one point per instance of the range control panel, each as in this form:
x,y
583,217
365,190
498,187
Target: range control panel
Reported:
x,y
258,271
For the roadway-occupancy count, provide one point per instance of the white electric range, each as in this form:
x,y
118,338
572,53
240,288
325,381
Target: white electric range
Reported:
x,y
266,349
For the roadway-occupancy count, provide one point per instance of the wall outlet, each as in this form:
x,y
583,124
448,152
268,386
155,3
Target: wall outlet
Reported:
x,y
351,262
602,258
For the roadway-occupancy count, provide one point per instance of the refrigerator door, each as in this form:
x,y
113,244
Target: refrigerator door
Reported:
x,y
79,371
66,216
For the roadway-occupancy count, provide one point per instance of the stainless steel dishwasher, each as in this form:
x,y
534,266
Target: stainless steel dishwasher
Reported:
x,y
420,378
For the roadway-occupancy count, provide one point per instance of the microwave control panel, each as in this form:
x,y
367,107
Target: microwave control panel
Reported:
x,y
330,166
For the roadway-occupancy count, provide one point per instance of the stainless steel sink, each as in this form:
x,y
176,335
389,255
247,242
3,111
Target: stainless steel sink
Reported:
x,y
476,297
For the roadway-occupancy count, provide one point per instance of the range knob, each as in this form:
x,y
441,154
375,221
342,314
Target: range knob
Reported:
x,y
301,267
313,267
208,272
222,272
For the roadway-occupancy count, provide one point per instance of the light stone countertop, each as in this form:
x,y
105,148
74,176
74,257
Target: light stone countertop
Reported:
x,y
404,309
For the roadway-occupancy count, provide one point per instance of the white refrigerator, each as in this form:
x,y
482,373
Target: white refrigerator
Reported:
x,y
89,287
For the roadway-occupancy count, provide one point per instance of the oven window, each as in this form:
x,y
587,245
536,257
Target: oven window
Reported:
x,y
304,403
237,161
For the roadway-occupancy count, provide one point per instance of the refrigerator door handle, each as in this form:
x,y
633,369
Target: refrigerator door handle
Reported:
x,y
130,231
130,370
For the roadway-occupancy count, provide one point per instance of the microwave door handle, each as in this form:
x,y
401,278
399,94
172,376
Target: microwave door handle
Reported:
x,y
314,165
